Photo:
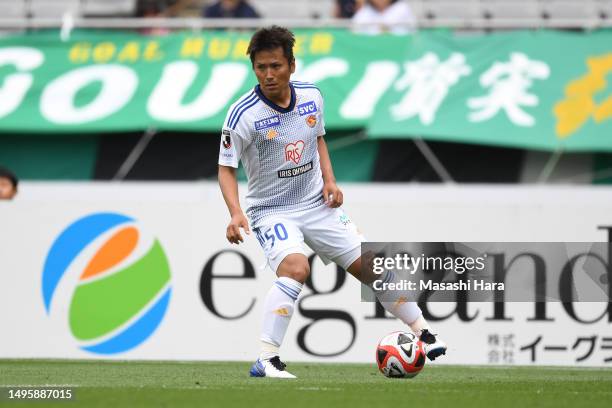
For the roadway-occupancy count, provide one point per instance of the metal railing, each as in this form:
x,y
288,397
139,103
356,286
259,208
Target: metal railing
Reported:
x,y
201,23
464,14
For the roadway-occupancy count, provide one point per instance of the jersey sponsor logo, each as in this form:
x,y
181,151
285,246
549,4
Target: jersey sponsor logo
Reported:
x,y
293,151
296,171
271,134
307,108
267,122
226,139
311,120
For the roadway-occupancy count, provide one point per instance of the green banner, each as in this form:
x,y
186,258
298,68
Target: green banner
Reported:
x,y
542,90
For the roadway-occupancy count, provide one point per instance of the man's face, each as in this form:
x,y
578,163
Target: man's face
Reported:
x,y
7,191
229,4
273,72
380,5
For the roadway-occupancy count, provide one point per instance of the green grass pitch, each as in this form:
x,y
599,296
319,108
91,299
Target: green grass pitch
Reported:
x,y
222,384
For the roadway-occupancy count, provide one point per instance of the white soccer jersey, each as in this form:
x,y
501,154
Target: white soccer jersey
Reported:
x,y
278,149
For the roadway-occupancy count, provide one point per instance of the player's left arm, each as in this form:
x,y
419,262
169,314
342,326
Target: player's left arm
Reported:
x,y
331,193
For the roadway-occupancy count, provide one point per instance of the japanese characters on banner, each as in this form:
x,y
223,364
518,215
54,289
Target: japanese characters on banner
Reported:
x,y
143,271
542,89
536,90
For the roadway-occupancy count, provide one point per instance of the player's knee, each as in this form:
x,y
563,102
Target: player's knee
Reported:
x,y
296,268
299,272
364,275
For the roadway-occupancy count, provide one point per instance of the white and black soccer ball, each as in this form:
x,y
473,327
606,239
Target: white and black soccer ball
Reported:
x,y
400,355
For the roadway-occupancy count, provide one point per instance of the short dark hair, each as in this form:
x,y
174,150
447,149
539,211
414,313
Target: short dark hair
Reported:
x,y
6,173
270,38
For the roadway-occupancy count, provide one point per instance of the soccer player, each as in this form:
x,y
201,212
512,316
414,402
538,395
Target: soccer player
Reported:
x,y
277,130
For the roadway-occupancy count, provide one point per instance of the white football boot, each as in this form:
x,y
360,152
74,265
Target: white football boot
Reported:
x,y
272,368
434,347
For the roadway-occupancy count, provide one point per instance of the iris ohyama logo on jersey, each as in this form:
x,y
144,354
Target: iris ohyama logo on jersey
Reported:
x,y
108,281
294,151
296,171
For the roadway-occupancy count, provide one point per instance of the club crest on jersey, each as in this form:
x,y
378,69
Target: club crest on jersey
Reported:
x,y
311,120
267,122
307,108
293,151
226,139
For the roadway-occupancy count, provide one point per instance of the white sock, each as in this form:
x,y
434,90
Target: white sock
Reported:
x,y
268,351
278,309
419,325
396,303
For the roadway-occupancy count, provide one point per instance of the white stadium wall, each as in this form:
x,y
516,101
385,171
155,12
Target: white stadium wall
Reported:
x,y
330,324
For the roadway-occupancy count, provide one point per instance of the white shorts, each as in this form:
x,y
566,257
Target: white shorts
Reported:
x,y
329,232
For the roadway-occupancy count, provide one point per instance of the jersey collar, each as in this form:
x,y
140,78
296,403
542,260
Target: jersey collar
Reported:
x,y
275,106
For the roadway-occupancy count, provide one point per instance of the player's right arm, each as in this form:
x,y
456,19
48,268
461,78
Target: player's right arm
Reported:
x,y
235,138
229,189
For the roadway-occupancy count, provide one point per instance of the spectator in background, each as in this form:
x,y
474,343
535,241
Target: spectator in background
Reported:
x,y
8,184
380,16
230,9
161,8
347,8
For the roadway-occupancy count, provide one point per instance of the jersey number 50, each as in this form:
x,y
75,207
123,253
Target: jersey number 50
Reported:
x,y
269,235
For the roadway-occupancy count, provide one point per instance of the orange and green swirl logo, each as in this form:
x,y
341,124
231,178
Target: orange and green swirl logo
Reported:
x,y
115,280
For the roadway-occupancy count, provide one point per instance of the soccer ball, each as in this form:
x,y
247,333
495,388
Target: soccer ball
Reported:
x,y
400,355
